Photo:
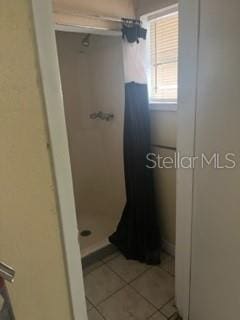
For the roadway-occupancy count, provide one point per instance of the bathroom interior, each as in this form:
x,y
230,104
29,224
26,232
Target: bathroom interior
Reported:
x,y
38,222
91,68
92,76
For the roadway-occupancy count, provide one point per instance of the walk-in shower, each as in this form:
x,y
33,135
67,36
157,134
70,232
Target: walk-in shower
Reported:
x,y
93,88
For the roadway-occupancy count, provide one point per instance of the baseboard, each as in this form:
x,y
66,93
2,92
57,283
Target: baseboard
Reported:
x,y
106,249
168,247
98,254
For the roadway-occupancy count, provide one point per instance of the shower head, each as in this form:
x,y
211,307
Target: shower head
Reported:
x,y
85,40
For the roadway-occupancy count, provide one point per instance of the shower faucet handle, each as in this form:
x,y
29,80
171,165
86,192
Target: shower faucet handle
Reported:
x,y
102,116
94,115
108,116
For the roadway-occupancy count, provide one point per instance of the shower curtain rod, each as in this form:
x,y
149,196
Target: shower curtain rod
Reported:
x,y
99,17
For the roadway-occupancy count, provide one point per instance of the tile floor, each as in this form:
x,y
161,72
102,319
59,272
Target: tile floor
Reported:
x,y
120,289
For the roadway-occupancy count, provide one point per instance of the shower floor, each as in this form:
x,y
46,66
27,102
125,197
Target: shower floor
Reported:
x,y
100,226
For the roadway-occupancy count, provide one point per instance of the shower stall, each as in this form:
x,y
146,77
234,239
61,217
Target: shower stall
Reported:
x,y
91,68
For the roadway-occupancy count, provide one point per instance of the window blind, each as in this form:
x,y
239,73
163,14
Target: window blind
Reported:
x,y
164,57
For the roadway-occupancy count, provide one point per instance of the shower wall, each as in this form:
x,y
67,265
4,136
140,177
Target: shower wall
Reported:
x,y
92,81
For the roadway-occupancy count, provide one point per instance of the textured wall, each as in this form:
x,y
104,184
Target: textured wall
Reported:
x,y
104,7
30,237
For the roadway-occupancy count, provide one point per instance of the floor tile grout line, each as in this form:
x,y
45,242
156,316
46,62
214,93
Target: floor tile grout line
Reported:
x,y
167,303
170,273
112,294
163,315
152,267
132,280
158,309
143,297
136,291
152,315
127,285
88,301
147,271
140,275
171,317
128,282
115,291
116,274
116,256
168,318
99,312
174,316
157,312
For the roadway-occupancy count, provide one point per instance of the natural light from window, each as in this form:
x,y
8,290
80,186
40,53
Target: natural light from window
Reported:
x,y
164,58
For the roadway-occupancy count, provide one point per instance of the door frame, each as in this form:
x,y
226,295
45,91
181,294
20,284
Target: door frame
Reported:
x,y
189,31
51,82
189,12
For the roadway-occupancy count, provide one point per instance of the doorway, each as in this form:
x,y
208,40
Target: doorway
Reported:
x,y
91,68
50,71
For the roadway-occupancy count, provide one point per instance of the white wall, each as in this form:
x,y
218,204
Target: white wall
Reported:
x,y
215,287
163,133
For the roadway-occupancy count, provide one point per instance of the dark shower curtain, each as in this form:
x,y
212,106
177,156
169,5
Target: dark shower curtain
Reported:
x,y
137,235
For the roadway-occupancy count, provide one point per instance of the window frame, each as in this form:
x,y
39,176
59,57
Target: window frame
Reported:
x,y
157,104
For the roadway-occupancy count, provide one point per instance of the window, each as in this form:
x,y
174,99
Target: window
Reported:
x,y
164,57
